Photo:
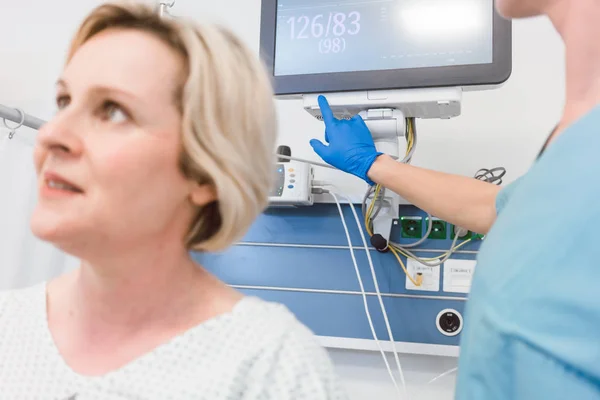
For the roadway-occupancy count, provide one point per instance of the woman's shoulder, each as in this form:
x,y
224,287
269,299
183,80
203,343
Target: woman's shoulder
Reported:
x,y
270,332
269,320
254,329
21,302
287,354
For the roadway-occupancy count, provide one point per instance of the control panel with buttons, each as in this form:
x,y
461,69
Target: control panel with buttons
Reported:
x,y
292,185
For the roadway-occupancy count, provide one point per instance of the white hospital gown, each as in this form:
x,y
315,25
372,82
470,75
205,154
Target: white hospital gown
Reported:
x,y
259,351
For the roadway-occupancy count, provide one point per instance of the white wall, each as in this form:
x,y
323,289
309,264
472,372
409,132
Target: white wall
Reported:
x,y
504,127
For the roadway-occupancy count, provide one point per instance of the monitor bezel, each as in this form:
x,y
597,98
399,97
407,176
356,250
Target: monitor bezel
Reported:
x,y
494,73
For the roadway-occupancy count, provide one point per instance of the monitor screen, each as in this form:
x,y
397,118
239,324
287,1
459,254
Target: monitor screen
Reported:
x,y
333,36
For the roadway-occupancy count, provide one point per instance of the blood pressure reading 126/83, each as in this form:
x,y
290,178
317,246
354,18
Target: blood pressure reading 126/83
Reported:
x,y
329,29
331,36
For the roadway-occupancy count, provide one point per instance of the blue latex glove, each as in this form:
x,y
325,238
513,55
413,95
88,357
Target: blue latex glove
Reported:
x,y
351,147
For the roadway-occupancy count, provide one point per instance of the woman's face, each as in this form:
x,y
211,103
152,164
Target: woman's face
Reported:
x,y
107,163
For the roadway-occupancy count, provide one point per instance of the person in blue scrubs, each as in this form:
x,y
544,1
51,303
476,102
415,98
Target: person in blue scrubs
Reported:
x,y
532,324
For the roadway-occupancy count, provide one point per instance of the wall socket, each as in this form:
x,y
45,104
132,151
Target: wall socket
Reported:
x,y
412,227
438,229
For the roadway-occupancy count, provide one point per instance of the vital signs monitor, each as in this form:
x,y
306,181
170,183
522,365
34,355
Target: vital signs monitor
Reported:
x,y
324,46
391,62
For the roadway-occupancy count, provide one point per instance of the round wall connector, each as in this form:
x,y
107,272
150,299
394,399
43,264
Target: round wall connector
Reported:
x,y
449,322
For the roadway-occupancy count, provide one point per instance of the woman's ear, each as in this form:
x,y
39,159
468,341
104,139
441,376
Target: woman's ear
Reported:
x,y
202,194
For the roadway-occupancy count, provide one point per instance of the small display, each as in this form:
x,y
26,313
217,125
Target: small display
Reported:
x,y
325,36
277,190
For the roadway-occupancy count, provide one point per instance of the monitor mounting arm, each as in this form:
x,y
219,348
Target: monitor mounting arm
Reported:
x,y
387,126
385,114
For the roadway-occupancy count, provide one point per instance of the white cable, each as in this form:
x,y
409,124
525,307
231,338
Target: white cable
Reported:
x,y
364,296
377,291
375,282
440,376
318,164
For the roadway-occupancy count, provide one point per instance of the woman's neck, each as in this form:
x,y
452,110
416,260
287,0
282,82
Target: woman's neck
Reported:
x,y
136,286
577,23
111,311
157,287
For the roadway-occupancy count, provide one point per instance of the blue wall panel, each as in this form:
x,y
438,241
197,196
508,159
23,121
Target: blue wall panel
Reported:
x,y
411,320
303,253
314,268
321,225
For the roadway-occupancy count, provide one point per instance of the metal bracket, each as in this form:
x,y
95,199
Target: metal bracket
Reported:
x,y
163,5
384,123
387,125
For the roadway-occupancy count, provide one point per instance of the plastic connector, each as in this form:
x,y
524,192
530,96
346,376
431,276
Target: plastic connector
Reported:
x,y
380,243
461,231
319,183
319,190
419,279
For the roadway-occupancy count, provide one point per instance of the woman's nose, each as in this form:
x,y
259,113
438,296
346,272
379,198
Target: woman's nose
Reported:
x,y
60,135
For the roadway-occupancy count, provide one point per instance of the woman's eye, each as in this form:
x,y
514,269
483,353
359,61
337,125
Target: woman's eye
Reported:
x,y
115,113
62,102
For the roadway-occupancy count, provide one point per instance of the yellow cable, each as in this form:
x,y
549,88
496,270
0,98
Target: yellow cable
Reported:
x,y
455,248
370,210
416,283
409,145
394,250
409,139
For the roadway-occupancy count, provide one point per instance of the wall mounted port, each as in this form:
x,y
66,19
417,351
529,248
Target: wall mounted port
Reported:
x,y
438,229
465,233
412,227
449,322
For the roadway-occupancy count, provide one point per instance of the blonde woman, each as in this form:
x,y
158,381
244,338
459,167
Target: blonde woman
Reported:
x,y
162,143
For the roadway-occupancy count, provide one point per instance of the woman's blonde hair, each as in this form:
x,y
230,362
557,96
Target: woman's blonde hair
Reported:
x,y
229,122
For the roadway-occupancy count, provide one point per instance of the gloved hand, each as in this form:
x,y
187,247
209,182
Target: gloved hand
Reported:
x,y
351,147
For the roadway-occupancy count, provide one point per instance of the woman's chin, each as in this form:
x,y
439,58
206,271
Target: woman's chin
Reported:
x,y
61,234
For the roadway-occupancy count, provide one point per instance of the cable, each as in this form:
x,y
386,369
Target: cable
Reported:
x,y
411,141
434,261
302,160
377,194
411,145
411,134
493,175
318,164
417,282
364,296
489,175
379,202
440,376
376,284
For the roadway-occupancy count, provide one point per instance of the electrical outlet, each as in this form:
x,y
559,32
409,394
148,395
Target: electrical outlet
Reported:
x,y
438,229
458,275
412,227
430,276
465,236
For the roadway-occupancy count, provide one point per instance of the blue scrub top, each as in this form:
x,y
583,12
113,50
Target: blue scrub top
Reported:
x,y
532,323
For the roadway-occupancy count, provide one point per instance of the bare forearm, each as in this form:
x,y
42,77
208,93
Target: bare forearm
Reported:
x,y
466,202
